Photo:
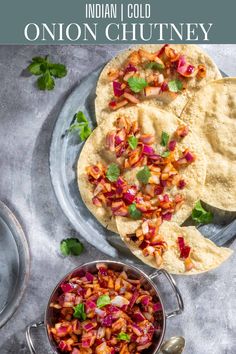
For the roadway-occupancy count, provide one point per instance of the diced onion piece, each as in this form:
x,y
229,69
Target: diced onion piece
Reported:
x,y
152,91
131,98
119,301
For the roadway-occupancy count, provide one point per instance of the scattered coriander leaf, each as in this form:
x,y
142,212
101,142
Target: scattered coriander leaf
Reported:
x,y
46,82
85,131
133,142
175,85
71,247
113,172
103,300
134,212
136,84
57,70
165,153
81,118
80,125
200,215
123,336
144,175
36,68
164,138
42,66
79,312
154,66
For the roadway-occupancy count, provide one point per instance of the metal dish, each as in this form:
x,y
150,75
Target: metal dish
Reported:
x,y
147,281
14,263
64,153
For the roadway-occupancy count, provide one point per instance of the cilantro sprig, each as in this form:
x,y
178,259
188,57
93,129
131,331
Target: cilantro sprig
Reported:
x,y
71,247
154,66
200,215
144,175
137,84
175,85
134,213
103,300
47,71
123,336
164,138
80,125
113,172
79,312
133,142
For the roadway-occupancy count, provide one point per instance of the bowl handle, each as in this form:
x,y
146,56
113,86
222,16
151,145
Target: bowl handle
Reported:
x,y
178,295
28,335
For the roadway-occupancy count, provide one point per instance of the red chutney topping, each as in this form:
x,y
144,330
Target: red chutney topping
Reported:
x,y
105,313
146,74
149,199
185,253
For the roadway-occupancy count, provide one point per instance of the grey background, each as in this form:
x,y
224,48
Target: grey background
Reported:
x,y
27,117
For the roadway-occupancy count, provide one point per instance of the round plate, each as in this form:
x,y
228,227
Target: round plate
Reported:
x,y
64,152
14,263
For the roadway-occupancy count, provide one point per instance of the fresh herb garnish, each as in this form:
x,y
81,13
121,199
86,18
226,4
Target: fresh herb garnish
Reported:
x,y
137,84
133,142
175,85
113,172
79,312
154,66
81,125
123,336
134,212
200,215
71,247
47,71
164,138
103,300
165,153
144,175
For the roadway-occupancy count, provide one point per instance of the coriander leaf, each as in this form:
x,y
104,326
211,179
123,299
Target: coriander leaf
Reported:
x,y
85,131
81,118
36,68
175,85
200,215
137,83
113,172
143,175
133,142
165,153
79,312
57,70
46,82
164,138
154,66
81,125
123,336
71,247
134,212
47,70
103,300
39,59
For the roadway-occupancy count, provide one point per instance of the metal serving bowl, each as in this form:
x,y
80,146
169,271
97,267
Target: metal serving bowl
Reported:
x,y
148,282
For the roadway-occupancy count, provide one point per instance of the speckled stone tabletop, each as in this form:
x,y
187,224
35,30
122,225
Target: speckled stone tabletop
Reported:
x,y
27,117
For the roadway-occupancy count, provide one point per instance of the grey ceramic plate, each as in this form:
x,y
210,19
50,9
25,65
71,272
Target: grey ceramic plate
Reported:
x,y
14,263
64,153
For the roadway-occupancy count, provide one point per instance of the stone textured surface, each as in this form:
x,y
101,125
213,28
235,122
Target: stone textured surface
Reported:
x,y
27,117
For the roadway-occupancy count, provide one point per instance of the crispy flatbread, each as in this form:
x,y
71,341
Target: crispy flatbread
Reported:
x,y
212,115
153,121
205,255
194,55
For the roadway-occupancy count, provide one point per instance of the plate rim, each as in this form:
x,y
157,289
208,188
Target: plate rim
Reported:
x,y
22,245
